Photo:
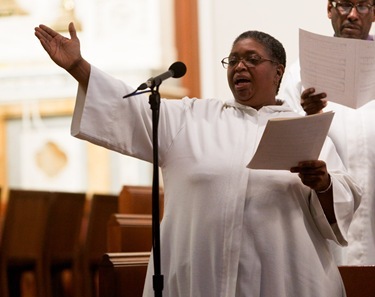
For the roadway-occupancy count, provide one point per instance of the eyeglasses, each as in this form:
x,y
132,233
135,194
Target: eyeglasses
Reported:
x,y
345,8
249,61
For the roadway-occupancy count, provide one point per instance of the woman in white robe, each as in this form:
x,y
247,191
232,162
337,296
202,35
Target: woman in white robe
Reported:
x,y
227,230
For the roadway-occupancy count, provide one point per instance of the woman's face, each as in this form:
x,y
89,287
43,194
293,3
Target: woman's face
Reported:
x,y
253,85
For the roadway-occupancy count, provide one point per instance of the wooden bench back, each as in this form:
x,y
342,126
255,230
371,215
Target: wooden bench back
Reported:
x,y
94,244
123,274
129,233
138,200
359,281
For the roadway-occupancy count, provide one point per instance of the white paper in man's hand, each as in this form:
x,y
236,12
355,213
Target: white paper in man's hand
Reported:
x,y
287,141
344,68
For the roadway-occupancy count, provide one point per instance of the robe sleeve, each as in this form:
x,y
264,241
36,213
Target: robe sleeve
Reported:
x,y
101,116
346,197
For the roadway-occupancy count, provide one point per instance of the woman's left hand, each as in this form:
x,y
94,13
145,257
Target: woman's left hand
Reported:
x,y
313,174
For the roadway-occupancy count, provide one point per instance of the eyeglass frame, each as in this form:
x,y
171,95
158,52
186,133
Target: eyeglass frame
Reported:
x,y
260,60
368,5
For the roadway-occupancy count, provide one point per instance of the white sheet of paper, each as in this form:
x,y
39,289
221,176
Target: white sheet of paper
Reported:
x,y
344,68
287,141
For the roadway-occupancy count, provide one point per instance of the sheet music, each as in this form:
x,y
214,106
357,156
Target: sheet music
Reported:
x,y
287,141
343,68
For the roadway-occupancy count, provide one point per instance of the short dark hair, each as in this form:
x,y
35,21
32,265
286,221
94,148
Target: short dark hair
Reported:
x,y
273,47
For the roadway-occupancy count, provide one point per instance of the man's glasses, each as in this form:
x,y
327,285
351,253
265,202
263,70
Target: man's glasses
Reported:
x,y
249,61
345,8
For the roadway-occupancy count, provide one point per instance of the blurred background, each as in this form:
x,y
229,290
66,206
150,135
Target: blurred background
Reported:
x,y
132,40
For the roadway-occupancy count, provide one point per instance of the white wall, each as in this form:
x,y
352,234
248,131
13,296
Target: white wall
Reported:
x,y
222,21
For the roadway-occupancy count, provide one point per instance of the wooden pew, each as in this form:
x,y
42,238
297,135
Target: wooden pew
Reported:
x,y
123,274
138,200
40,235
94,244
359,281
134,220
61,249
123,268
129,233
23,238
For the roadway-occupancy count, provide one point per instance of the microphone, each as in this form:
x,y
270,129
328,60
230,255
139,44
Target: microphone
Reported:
x,y
176,70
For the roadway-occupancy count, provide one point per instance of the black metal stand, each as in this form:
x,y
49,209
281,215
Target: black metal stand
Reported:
x,y
154,100
158,279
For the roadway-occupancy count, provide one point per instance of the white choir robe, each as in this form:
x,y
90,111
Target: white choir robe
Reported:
x,y
227,230
353,133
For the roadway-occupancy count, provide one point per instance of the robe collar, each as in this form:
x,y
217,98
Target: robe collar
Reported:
x,y
265,109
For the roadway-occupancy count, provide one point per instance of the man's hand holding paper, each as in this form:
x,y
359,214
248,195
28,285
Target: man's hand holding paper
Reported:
x,y
342,68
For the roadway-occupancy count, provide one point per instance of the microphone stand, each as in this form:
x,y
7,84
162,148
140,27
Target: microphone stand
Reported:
x,y
158,279
154,101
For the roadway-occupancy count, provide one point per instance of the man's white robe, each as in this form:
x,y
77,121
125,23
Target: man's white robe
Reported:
x,y
353,133
227,230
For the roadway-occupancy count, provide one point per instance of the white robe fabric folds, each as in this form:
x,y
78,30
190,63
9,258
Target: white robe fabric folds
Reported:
x,y
227,230
353,133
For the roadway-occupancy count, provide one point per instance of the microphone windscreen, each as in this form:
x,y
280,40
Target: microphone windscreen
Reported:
x,y
178,69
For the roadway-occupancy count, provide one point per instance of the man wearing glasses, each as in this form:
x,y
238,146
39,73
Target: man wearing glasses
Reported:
x,y
351,20
352,130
